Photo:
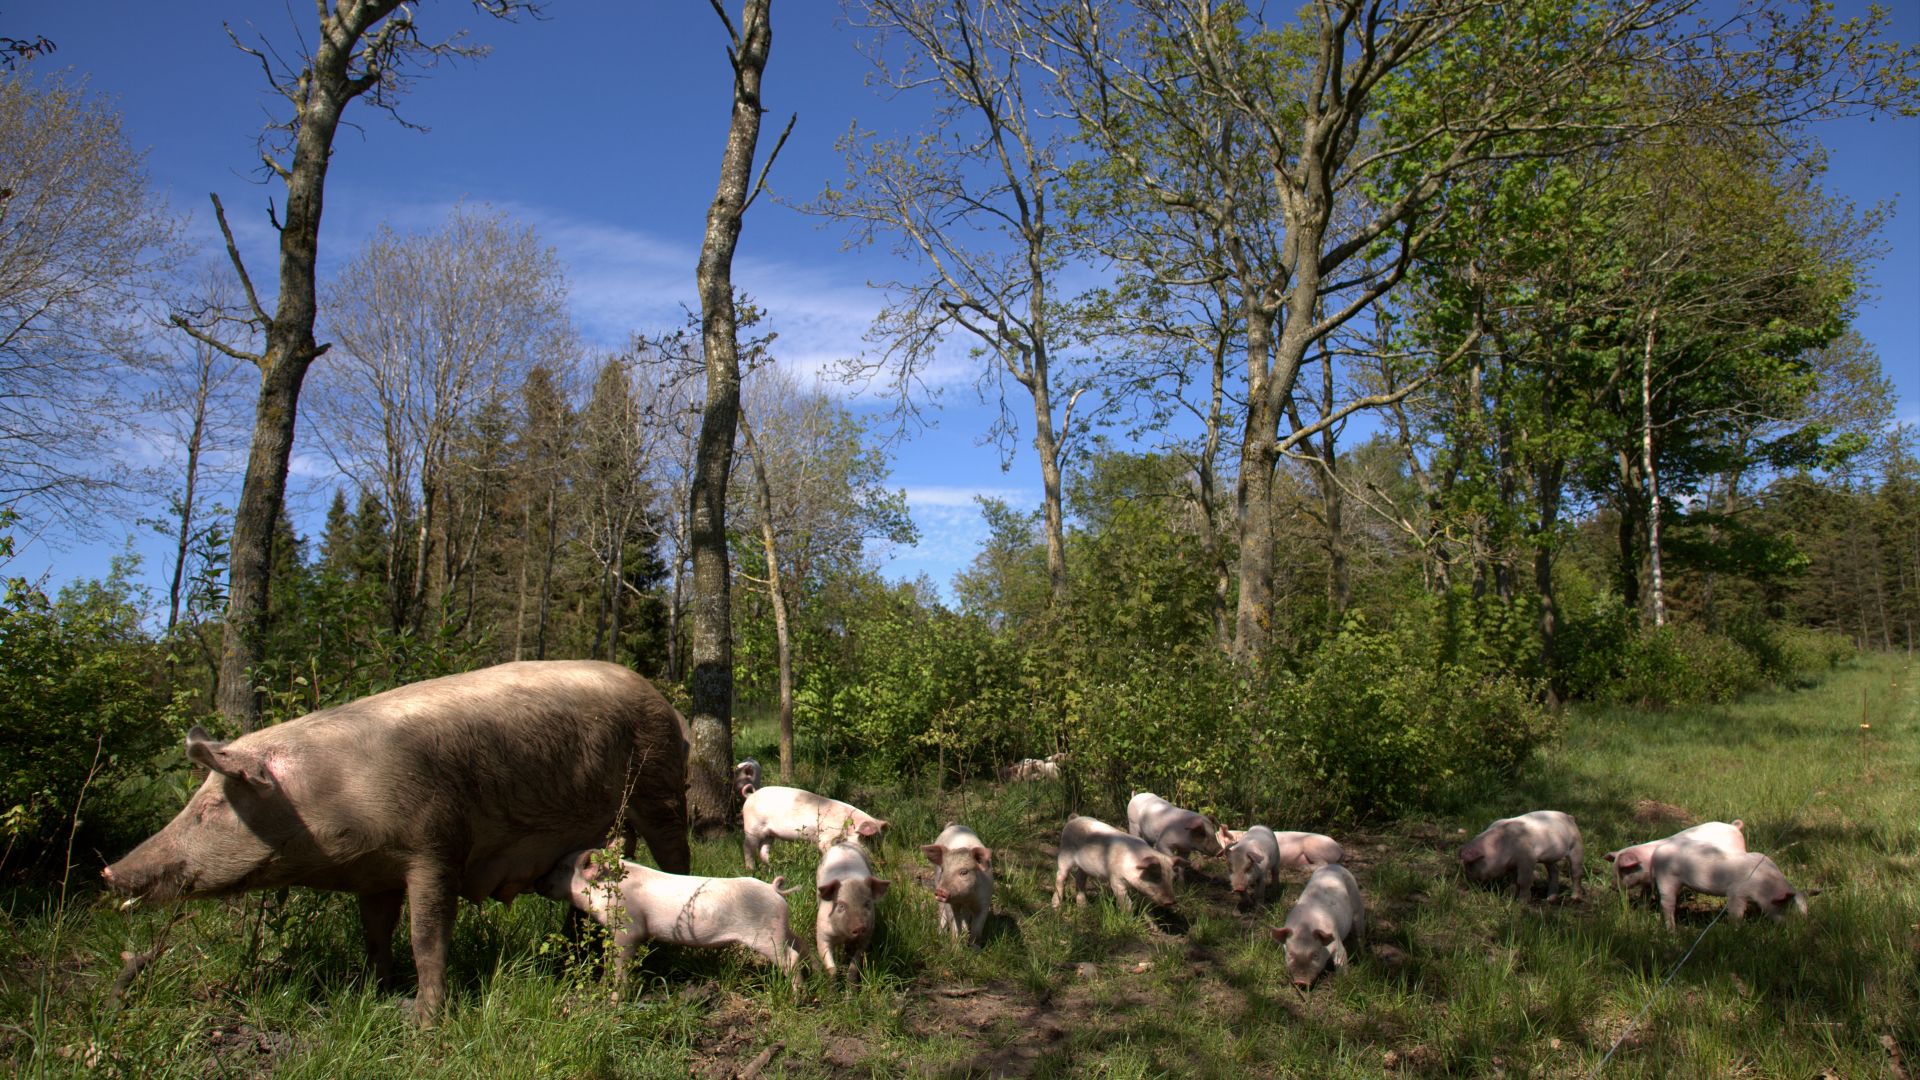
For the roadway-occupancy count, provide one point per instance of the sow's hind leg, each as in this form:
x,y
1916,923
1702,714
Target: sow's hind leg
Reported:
x,y
662,822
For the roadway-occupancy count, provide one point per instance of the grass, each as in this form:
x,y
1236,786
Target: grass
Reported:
x,y
1453,980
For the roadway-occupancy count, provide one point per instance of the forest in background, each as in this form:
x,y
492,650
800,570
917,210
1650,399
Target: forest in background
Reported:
x,y
1518,372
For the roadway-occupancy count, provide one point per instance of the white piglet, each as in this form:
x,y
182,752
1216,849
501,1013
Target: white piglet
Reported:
x,y
1328,914
848,891
784,813
639,903
1633,866
1513,846
962,882
1253,862
1177,832
1095,849
1749,880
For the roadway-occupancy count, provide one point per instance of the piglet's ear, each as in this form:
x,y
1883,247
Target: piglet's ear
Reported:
x,y
1282,933
1323,937
983,856
1254,857
830,890
935,853
1611,855
879,886
871,828
1740,825
217,756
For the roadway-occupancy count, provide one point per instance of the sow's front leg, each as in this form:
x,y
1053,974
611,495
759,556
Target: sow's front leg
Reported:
x,y
379,915
433,902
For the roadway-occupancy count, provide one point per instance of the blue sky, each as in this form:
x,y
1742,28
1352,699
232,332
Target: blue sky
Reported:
x,y
602,126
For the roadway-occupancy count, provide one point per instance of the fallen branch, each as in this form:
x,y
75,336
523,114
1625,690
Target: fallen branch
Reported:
x,y
759,1062
133,963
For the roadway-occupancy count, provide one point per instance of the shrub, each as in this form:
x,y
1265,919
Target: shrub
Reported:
x,y
1681,664
1792,656
83,712
1381,725
1170,725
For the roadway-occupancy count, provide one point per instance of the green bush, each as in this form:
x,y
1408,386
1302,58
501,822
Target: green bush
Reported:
x,y
83,711
1681,664
1381,724
1792,656
1169,725
920,686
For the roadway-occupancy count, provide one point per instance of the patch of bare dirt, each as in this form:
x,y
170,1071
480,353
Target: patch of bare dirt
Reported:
x,y
238,1048
1655,812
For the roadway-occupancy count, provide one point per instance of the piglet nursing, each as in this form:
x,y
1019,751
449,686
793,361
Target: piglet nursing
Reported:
x,y
639,903
1749,880
784,813
1512,846
963,881
1328,913
848,891
1095,849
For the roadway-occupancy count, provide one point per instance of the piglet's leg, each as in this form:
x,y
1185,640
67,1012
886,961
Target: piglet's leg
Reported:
x,y
1523,881
379,915
433,904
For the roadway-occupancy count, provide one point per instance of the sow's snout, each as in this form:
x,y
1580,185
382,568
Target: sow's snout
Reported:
x,y
153,871
207,849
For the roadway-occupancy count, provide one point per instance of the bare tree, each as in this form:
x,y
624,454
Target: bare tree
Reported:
x,y
82,245
818,496
195,404
431,328
362,48
708,794
974,199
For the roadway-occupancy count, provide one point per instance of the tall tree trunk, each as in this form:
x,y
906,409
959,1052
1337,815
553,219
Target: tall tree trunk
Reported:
x,y
1253,495
708,793
546,569
319,95
776,592
195,436
520,592
1046,445
1655,582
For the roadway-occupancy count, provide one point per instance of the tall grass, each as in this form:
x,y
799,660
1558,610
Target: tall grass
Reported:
x,y
1454,980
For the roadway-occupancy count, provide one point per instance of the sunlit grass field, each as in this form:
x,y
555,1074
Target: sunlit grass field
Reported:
x,y
1452,980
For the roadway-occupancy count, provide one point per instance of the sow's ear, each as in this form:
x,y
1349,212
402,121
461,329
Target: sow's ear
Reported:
x,y
203,749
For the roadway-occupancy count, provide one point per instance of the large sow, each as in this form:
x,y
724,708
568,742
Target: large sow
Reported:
x,y
471,785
